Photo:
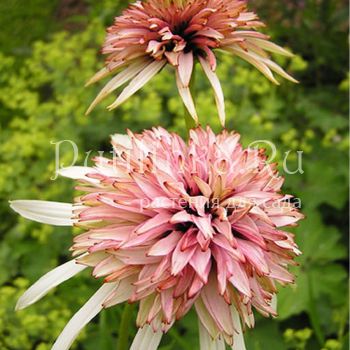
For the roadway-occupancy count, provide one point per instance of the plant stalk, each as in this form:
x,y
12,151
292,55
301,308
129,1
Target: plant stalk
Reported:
x,y
123,332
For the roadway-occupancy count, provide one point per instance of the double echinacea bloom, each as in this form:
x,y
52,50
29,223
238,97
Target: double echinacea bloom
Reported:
x,y
153,33
173,225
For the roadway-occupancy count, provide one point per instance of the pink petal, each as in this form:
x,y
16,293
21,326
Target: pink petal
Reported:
x,y
165,245
185,67
200,261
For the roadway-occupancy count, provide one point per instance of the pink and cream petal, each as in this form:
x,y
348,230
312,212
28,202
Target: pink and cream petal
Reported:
x,y
124,76
186,96
185,67
253,60
215,83
138,82
270,46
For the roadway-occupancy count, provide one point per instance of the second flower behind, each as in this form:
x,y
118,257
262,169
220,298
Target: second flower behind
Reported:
x,y
153,33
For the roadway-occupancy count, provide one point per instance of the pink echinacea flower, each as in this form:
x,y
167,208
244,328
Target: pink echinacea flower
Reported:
x,y
174,225
153,33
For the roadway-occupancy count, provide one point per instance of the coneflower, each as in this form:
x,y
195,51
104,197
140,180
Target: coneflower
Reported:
x,y
152,33
174,225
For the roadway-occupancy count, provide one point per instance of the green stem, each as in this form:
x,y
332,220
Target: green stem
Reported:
x,y
314,318
123,333
190,123
178,339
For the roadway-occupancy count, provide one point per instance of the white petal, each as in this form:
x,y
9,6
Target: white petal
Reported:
x,y
104,72
122,292
274,302
121,142
91,308
215,83
206,319
276,68
207,342
269,46
256,61
49,281
78,173
238,339
146,339
140,80
46,212
185,94
117,81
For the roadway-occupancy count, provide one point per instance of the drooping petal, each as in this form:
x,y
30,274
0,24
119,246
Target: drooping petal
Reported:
x,y
186,96
46,212
206,342
185,68
117,81
136,83
274,302
215,83
270,46
146,339
257,63
217,306
90,309
239,278
49,281
238,339
206,319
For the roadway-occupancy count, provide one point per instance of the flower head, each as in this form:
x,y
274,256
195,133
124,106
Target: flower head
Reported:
x,y
153,33
173,225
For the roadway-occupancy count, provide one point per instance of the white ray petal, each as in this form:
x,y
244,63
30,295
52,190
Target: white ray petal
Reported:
x,y
186,96
121,78
49,281
253,60
277,69
79,173
104,72
137,82
274,302
123,291
46,212
206,319
238,339
215,83
90,309
269,46
121,143
146,339
206,342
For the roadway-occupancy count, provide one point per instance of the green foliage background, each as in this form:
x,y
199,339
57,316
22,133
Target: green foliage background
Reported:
x,y
48,51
